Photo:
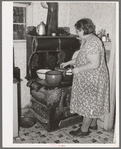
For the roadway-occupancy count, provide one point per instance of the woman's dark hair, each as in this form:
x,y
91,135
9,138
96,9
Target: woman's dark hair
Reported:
x,y
85,24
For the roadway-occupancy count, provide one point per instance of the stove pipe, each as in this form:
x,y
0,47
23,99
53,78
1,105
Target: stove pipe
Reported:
x,y
52,18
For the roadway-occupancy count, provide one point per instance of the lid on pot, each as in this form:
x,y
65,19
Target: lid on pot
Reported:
x,y
55,72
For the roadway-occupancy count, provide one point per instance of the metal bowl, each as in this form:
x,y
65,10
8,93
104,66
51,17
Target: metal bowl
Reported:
x,y
27,122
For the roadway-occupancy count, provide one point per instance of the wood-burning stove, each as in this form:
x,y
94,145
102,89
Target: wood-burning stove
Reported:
x,y
50,104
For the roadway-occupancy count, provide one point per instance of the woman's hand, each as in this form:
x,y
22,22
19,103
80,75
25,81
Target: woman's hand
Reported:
x,y
62,65
79,38
71,62
75,70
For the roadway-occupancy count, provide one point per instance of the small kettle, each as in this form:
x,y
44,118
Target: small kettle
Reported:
x,y
40,29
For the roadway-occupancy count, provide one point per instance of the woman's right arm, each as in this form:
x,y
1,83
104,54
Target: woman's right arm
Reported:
x,y
71,62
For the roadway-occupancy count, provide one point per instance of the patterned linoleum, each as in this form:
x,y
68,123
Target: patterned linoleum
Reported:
x,y
38,134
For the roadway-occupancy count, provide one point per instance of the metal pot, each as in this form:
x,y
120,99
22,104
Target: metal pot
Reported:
x,y
41,29
67,74
64,70
54,77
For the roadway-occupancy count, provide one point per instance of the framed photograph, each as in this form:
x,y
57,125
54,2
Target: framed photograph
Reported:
x,y
60,74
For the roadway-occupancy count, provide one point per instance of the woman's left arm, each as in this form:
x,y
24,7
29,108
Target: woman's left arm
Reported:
x,y
94,62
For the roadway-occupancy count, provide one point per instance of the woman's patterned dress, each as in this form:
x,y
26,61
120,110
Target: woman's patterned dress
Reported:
x,y
90,89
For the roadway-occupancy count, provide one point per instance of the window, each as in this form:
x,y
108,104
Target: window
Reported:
x,y
19,21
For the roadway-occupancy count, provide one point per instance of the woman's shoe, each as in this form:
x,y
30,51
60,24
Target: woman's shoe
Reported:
x,y
93,127
75,133
79,132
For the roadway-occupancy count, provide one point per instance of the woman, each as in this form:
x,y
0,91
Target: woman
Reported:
x,y
90,89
